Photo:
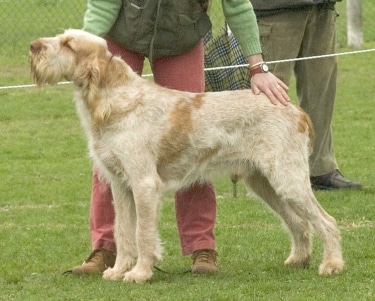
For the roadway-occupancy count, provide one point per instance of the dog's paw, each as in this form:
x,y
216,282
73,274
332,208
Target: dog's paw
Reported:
x,y
113,274
297,262
138,275
331,267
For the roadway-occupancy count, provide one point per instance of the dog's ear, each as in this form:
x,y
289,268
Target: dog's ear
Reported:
x,y
91,73
67,41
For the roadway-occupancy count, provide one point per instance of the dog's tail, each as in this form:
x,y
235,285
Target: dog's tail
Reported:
x,y
305,125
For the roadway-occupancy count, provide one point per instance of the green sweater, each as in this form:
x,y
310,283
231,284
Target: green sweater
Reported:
x,y
101,15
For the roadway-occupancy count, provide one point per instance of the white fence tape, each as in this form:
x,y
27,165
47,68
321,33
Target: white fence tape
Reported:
x,y
229,67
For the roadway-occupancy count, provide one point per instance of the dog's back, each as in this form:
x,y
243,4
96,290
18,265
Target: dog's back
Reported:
x,y
203,134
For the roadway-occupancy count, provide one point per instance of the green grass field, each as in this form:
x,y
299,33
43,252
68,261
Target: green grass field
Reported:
x,y
45,177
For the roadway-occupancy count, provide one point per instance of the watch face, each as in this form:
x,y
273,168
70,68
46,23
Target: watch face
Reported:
x,y
264,67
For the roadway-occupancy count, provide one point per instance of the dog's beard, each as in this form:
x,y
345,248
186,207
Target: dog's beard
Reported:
x,y
44,73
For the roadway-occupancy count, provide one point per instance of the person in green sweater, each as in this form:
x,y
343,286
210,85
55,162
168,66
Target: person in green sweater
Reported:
x,y
170,34
304,28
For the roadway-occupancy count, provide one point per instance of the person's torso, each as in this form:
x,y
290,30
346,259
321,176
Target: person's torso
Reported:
x,y
156,28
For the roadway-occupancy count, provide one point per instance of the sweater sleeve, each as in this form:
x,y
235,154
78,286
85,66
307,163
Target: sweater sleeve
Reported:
x,y
241,20
100,16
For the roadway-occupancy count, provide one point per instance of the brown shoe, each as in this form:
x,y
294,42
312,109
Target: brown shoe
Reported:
x,y
98,261
204,262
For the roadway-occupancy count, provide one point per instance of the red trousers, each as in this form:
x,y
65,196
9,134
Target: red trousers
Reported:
x,y
195,206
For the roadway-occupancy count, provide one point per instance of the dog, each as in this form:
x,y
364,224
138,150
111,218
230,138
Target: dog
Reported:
x,y
146,139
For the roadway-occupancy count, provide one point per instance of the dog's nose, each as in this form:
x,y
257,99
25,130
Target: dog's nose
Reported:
x,y
35,46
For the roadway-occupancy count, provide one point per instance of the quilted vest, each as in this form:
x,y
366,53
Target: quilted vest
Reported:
x,y
156,28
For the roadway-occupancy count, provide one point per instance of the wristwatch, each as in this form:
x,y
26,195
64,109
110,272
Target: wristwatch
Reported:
x,y
259,68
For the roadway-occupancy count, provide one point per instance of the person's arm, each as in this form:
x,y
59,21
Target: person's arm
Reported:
x,y
241,20
240,17
100,16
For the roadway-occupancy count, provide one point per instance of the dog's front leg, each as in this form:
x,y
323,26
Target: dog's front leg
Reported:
x,y
147,201
124,230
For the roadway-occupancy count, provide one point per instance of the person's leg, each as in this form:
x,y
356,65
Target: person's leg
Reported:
x,y
294,34
101,229
284,36
281,36
133,59
102,213
196,205
183,72
316,86
316,89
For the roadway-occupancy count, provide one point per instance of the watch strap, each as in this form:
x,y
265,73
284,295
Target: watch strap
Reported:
x,y
256,70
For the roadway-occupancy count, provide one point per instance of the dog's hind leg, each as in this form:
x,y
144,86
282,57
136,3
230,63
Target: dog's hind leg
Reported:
x,y
326,228
147,197
124,231
299,228
293,191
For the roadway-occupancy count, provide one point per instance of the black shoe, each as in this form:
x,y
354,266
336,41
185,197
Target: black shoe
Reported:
x,y
333,180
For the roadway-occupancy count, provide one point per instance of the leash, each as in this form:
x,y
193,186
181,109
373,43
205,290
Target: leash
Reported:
x,y
70,272
169,273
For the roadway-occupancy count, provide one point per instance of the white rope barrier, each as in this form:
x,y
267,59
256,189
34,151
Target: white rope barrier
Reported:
x,y
296,59
229,67
28,86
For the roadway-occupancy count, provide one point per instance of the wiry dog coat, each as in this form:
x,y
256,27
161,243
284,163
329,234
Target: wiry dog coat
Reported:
x,y
146,139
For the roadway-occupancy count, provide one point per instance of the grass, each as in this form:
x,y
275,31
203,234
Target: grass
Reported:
x,y
44,205
45,178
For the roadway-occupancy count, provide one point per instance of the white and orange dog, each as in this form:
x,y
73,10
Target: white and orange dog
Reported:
x,y
146,139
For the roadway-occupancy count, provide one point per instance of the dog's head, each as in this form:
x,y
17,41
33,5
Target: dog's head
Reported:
x,y
74,55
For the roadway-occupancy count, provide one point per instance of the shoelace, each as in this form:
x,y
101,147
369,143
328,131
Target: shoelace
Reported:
x,y
205,256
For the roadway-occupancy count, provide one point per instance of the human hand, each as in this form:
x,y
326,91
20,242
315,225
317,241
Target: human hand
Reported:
x,y
273,87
